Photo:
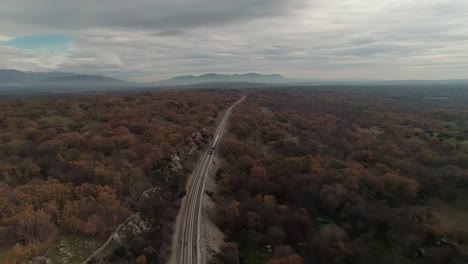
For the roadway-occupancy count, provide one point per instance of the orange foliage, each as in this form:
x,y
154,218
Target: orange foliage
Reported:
x,y
141,260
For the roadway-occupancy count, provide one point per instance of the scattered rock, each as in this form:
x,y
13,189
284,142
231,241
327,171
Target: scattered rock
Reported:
x,y
40,260
421,252
175,165
151,193
132,226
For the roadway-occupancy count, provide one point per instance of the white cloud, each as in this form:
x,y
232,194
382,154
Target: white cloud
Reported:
x,y
14,58
5,38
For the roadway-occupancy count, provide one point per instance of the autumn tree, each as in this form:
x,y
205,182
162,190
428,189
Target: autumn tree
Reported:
x,y
34,226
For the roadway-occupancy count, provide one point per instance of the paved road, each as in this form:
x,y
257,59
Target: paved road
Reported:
x,y
188,241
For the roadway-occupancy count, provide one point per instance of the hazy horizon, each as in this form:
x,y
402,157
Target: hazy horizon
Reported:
x,y
154,40
286,79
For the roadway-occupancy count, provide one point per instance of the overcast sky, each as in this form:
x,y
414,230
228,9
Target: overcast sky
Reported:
x,y
148,40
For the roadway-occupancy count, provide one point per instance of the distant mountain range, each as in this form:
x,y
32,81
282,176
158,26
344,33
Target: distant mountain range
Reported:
x,y
14,78
72,82
45,80
224,78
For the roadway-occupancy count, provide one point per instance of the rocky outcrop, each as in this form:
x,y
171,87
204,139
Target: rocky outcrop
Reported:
x,y
175,166
131,227
151,193
39,260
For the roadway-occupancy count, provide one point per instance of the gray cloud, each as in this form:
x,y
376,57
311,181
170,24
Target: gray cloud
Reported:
x,y
150,40
142,14
169,32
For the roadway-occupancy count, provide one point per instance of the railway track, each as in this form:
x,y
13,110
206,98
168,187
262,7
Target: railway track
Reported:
x,y
187,250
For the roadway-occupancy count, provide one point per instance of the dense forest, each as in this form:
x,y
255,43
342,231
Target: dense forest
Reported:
x,y
345,175
73,169
308,175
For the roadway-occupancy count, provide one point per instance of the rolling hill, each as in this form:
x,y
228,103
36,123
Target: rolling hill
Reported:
x,y
224,78
15,78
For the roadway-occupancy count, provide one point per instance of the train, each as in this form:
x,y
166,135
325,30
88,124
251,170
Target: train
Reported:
x,y
213,145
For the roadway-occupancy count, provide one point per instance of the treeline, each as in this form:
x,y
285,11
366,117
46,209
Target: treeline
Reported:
x,y
77,166
339,177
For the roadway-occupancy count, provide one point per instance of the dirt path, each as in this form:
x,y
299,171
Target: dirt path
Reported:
x,y
133,223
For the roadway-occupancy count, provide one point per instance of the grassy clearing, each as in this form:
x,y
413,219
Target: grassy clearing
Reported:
x,y
10,148
56,118
461,145
71,249
323,221
2,252
255,256
453,218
